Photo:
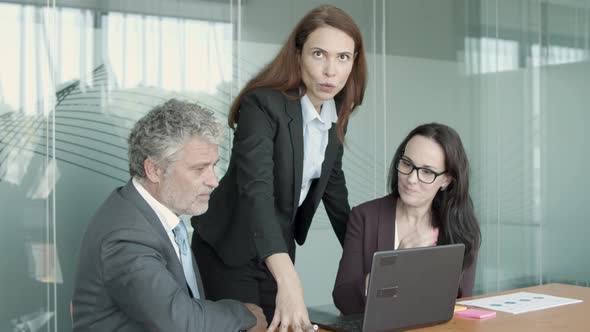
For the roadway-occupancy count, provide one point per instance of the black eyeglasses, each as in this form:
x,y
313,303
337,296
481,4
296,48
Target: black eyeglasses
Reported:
x,y
425,175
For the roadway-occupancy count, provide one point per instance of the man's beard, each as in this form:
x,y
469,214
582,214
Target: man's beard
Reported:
x,y
200,209
171,198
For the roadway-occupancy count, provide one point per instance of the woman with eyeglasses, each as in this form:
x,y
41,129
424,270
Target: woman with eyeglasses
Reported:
x,y
429,205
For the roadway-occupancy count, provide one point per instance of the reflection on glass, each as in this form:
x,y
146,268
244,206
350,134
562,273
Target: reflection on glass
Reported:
x,y
31,322
44,263
46,183
490,55
171,53
557,55
14,160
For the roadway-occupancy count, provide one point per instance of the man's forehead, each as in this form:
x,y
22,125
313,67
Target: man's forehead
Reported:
x,y
199,151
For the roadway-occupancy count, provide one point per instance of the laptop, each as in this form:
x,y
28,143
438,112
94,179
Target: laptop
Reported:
x,y
408,288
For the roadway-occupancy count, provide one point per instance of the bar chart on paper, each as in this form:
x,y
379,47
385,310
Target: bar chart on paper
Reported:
x,y
520,302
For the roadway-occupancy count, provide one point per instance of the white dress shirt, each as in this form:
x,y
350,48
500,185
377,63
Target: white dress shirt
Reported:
x,y
168,218
315,140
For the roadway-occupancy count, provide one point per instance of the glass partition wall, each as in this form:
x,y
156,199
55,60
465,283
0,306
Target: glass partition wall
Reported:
x,y
511,77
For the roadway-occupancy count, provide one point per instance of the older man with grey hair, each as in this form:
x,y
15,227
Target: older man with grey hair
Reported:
x,y
136,271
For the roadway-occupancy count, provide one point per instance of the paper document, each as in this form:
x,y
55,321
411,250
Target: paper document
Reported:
x,y
520,302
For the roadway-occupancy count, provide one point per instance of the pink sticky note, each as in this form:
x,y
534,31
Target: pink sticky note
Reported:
x,y
476,313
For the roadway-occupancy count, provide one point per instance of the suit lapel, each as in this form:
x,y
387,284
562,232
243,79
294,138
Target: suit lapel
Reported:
x,y
131,194
333,141
330,153
199,280
386,220
296,130
327,165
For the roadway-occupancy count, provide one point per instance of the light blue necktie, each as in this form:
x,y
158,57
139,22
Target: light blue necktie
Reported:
x,y
181,238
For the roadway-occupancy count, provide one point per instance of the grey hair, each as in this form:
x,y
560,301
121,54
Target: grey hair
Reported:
x,y
160,134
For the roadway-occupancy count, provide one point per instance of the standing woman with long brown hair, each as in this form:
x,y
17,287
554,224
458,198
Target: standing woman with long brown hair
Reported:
x,y
289,123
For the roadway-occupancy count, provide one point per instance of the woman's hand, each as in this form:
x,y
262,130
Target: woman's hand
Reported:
x,y
290,308
290,311
419,239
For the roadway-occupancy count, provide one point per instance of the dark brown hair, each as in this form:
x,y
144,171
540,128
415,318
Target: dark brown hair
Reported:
x,y
283,73
452,208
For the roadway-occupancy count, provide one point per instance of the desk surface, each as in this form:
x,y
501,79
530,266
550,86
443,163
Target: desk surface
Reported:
x,y
571,317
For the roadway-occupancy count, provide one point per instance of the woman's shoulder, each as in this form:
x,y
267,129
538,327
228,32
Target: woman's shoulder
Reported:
x,y
270,102
266,95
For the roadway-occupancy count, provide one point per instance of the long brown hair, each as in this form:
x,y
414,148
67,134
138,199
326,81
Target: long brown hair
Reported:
x,y
283,73
452,208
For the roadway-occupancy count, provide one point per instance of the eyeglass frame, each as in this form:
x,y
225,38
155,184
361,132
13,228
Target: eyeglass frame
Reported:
x,y
417,169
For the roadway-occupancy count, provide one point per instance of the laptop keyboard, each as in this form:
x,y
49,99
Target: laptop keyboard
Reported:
x,y
351,325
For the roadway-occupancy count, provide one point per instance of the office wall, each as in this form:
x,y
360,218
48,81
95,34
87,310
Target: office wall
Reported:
x,y
566,212
510,76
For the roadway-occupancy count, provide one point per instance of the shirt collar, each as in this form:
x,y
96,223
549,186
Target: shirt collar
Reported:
x,y
168,218
326,116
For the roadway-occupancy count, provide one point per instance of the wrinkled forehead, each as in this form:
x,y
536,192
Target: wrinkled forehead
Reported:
x,y
330,39
198,150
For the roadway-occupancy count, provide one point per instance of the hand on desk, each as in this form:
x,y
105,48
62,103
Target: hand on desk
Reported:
x,y
261,322
290,308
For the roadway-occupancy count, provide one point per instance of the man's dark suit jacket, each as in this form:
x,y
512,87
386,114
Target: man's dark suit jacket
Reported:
x,y
371,228
254,212
130,278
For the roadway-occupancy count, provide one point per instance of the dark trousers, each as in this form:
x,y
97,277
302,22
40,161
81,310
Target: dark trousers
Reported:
x,y
250,283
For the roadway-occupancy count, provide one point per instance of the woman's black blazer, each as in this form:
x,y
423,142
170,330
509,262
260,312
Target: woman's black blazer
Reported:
x,y
254,212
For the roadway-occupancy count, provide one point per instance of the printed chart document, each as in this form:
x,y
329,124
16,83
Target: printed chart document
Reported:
x,y
518,303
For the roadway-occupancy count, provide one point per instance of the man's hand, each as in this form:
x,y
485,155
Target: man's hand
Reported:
x,y
261,323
